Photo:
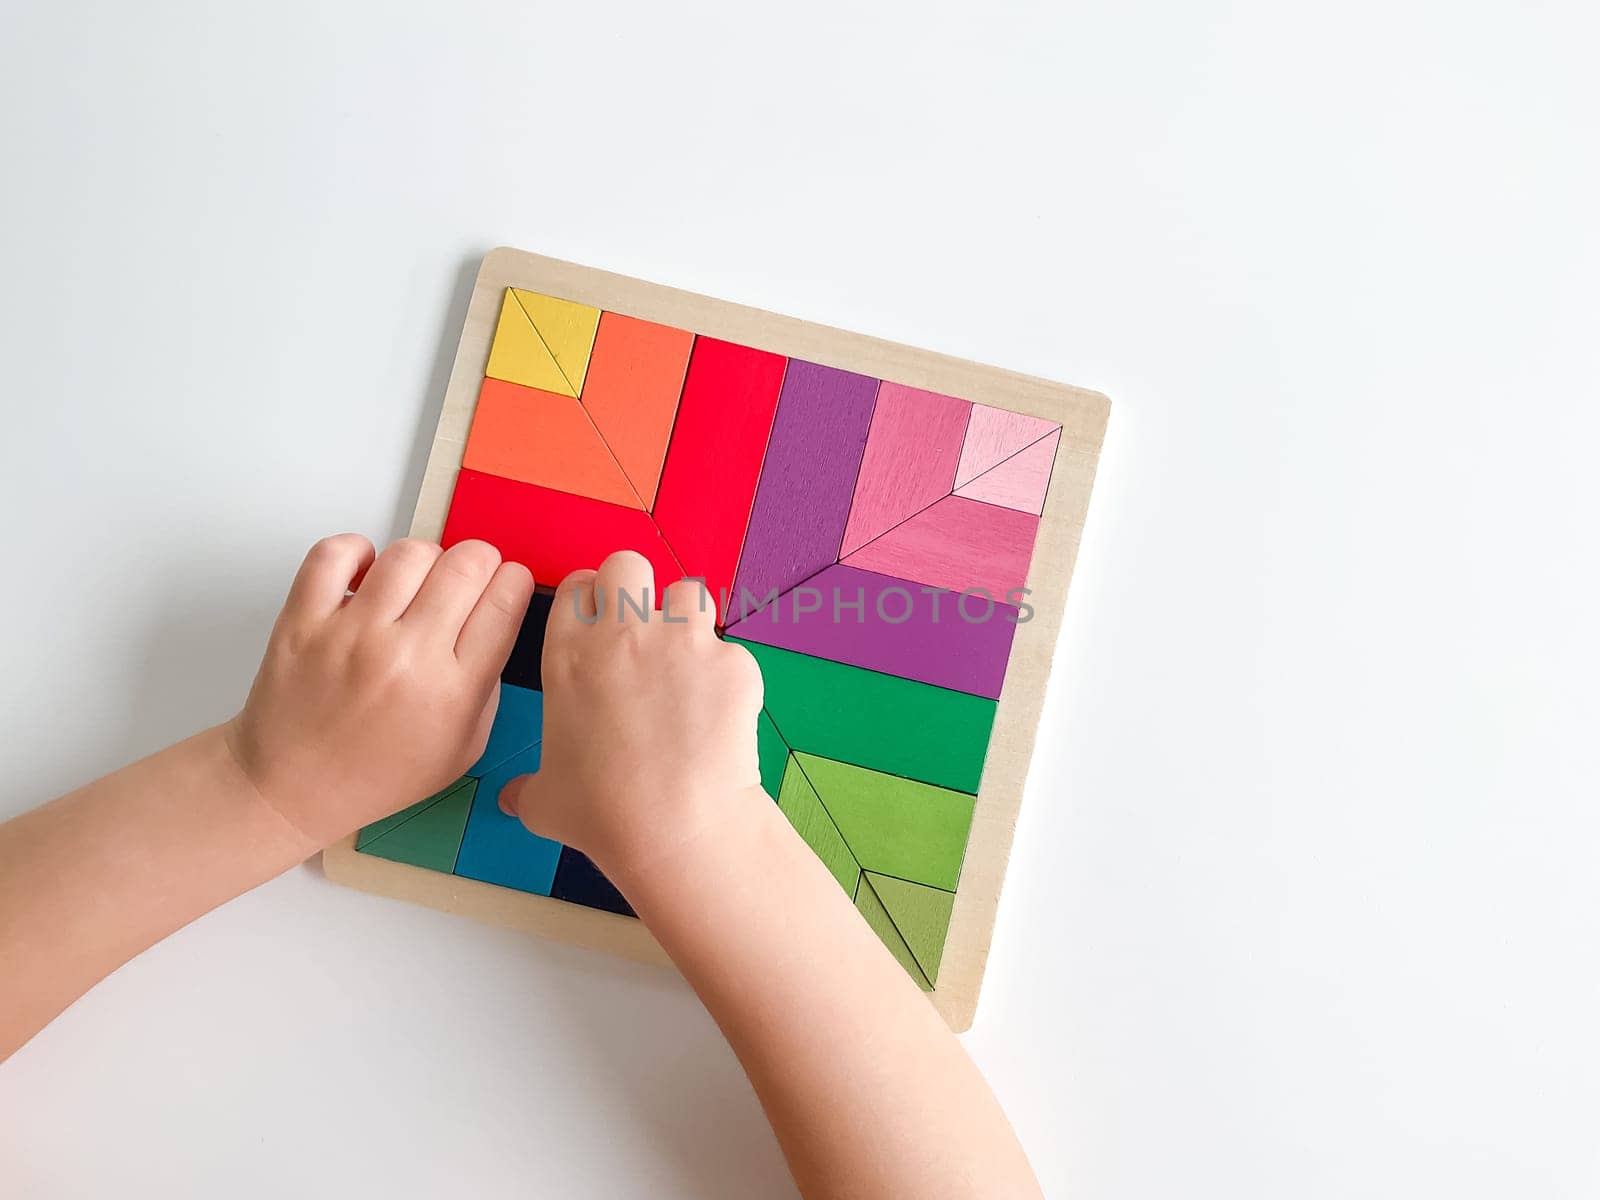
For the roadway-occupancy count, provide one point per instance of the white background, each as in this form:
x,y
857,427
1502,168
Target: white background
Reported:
x,y
1304,902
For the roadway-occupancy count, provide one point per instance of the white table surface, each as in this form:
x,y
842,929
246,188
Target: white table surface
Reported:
x,y
1304,900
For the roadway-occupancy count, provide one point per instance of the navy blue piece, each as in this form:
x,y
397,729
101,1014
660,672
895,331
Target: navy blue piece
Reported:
x,y
522,668
579,881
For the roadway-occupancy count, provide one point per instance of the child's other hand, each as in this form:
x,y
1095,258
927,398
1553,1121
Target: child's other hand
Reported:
x,y
649,723
367,703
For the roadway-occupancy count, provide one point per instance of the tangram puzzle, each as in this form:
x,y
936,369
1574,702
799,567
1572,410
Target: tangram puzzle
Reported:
x,y
870,543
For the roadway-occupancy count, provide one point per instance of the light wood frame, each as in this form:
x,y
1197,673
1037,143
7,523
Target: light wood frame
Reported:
x,y
1082,416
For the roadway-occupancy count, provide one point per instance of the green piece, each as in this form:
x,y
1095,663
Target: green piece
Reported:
x,y
427,834
772,754
797,800
871,907
880,721
921,914
894,826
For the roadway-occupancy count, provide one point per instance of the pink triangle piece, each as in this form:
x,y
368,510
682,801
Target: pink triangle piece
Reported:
x,y
994,435
957,544
913,445
1018,482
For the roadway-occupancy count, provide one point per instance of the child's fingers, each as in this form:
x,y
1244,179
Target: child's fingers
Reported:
x,y
490,629
329,570
689,600
573,602
625,573
392,581
452,588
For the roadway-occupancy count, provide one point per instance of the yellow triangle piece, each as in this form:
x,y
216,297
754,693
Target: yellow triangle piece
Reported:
x,y
568,332
519,354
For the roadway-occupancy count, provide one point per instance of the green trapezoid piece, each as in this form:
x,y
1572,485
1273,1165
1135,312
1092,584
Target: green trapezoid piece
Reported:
x,y
880,721
798,801
921,914
772,754
430,836
894,826
870,906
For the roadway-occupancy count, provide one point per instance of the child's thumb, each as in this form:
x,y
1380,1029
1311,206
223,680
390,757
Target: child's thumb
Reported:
x,y
517,796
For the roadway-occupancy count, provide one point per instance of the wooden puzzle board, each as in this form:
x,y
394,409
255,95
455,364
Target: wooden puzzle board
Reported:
x,y
875,397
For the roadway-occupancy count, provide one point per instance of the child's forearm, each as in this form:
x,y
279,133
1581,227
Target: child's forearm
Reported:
x,y
90,880
868,1091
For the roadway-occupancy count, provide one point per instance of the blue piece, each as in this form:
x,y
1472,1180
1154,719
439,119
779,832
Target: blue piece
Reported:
x,y
579,881
499,849
518,725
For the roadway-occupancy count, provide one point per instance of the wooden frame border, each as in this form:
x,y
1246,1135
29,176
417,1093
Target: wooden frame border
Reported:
x,y
1082,415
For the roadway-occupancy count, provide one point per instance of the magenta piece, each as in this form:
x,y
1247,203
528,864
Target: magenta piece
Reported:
x,y
896,626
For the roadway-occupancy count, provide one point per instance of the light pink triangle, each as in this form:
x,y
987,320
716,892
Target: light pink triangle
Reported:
x,y
994,435
1020,481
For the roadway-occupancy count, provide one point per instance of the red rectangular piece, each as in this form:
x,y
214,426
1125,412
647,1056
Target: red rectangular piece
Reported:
x,y
552,533
714,458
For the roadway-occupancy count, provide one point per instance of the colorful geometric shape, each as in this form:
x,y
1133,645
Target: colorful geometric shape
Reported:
x,y
871,906
708,482
497,848
807,479
427,834
894,826
579,881
552,533
798,801
541,437
548,347
1017,482
771,755
635,377
525,667
921,915
891,625
910,461
518,726
994,435
881,721
960,545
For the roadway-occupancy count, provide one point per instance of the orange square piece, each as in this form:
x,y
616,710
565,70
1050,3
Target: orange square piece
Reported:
x,y
635,377
539,437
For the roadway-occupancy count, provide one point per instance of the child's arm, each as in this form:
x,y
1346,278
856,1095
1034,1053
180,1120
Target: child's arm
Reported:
x,y
650,766
361,707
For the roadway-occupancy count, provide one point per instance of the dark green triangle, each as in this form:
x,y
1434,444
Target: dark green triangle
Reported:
x,y
427,834
772,754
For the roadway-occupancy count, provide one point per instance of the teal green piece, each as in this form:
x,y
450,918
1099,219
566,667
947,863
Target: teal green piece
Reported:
x,y
797,800
772,754
894,826
881,721
424,835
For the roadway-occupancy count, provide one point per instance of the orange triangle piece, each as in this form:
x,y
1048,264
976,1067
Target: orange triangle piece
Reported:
x,y
539,437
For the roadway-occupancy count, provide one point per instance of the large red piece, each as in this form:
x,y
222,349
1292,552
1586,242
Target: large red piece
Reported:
x,y
552,533
714,458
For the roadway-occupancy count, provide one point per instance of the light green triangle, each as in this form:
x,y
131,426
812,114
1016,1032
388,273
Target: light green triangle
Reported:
x,y
772,754
427,834
894,826
870,905
921,914
519,355
567,330
798,801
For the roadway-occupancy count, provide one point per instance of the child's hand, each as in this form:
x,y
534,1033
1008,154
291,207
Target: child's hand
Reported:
x,y
649,724
367,703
